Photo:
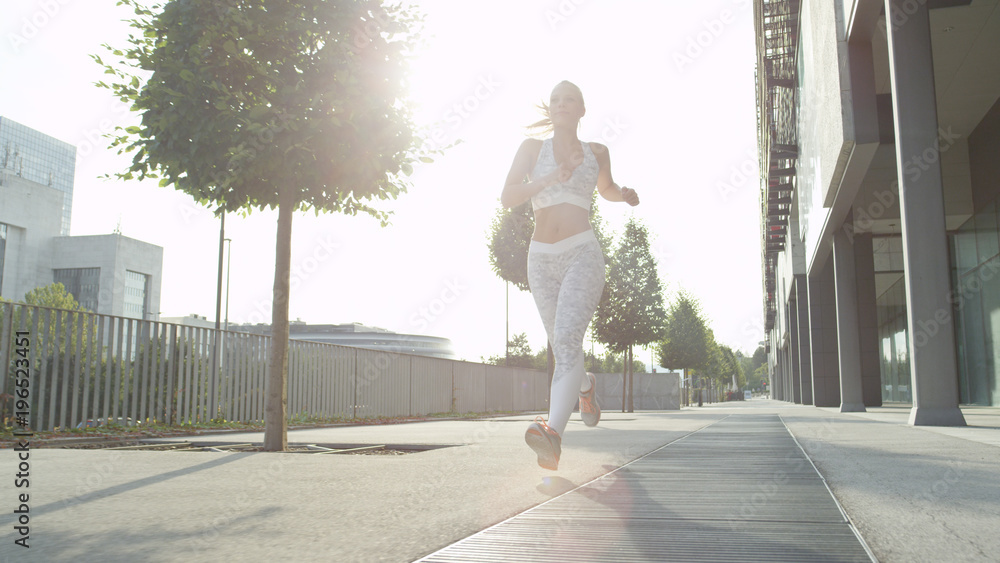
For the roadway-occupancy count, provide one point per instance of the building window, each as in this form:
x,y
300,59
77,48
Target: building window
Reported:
x,y
136,288
975,261
3,251
83,283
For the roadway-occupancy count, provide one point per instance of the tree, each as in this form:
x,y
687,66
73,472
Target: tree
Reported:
x,y
686,343
250,104
53,295
754,375
510,234
65,308
730,374
737,361
518,354
59,332
756,369
631,309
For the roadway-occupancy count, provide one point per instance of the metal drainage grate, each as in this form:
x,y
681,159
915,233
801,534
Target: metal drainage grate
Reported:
x,y
245,447
738,490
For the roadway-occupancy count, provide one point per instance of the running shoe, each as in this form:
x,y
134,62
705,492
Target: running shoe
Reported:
x,y
589,410
546,443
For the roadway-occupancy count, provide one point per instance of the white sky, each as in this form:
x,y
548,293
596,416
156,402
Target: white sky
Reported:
x,y
669,87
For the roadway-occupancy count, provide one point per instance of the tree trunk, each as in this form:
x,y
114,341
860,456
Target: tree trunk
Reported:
x,y
699,390
684,386
631,381
275,420
624,380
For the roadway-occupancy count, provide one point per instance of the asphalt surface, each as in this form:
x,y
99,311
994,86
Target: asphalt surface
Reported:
x,y
914,494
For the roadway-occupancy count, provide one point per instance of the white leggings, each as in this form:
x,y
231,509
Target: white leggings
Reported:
x,y
566,280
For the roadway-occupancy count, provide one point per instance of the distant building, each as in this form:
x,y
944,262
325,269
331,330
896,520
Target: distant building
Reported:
x,y
195,320
110,274
361,336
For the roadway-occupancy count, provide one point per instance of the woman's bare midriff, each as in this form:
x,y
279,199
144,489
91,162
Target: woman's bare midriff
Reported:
x,y
552,224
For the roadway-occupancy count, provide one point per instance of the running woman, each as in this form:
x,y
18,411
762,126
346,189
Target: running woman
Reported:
x,y
565,260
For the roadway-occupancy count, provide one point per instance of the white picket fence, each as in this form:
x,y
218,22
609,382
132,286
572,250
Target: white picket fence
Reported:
x,y
68,368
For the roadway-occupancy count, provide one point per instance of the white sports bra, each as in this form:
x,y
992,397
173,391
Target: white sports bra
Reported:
x,y
578,190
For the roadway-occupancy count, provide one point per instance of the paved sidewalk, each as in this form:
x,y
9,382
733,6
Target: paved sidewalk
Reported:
x,y
914,494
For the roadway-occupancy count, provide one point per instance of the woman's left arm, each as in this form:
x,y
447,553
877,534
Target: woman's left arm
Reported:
x,y
606,186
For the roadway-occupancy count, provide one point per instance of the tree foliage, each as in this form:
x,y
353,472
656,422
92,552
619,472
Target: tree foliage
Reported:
x,y
519,354
755,368
56,326
54,295
252,104
510,234
248,99
631,309
687,342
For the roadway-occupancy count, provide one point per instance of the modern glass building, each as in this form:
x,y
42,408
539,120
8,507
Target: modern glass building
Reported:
x,y
45,160
879,130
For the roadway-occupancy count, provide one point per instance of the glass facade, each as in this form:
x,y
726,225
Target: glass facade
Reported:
x,y
975,268
39,158
890,308
975,272
83,283
136,289
893,342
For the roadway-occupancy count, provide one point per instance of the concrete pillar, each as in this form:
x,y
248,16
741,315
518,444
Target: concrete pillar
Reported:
x,y
789,373
823,337
871,367
934,372
779,385
802,340
795,384
848,345
785,395
776,383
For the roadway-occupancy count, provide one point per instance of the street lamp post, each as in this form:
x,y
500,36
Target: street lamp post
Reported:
x,y
218,318
229,261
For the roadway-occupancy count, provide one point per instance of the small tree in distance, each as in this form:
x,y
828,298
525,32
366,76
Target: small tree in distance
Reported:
x,y
685,344
631,309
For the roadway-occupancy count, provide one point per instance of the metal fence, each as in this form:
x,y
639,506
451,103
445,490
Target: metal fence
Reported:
x,y
65,369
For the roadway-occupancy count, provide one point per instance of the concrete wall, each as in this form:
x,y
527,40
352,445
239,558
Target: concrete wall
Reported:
x,y
823,338
114,254
825,120
33,214
651,391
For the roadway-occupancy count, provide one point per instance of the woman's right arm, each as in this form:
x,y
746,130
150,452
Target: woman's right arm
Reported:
x,y
515,190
